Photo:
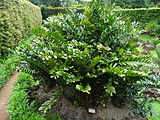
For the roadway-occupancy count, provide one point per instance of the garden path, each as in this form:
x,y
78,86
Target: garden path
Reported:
x,y
5,94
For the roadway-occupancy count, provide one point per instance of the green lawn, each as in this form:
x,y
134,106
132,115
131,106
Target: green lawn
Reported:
x,y
149,39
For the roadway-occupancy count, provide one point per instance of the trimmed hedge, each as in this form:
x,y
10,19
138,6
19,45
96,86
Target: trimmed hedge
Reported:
x,y
17,17
7,66
47,12
19,107
143,15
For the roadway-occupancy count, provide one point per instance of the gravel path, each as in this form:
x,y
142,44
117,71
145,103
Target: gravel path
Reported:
x,y
5,94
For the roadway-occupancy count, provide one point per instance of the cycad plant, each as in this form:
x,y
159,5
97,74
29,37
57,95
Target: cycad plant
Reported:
x,y
92,55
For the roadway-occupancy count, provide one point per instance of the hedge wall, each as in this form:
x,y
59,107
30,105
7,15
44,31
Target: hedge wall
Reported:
x,y
143,15
47,12
16,19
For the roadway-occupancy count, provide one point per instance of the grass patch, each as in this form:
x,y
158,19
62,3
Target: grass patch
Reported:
x,y
151,40
147,38
7,66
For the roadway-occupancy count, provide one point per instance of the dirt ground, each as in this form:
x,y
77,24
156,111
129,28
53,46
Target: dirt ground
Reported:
x,y
69,112
5,94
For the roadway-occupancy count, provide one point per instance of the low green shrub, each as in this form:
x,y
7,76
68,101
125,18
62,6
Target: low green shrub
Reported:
x,y
91,54
19,107
7,66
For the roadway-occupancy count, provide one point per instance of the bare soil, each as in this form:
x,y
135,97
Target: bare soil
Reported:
x,y
5,94
69,112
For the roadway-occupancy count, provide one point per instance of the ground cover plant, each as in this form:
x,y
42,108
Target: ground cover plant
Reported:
x,y
19,106
7,67
91,54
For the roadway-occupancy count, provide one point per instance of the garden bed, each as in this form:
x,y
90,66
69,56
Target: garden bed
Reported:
x,y
83,61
